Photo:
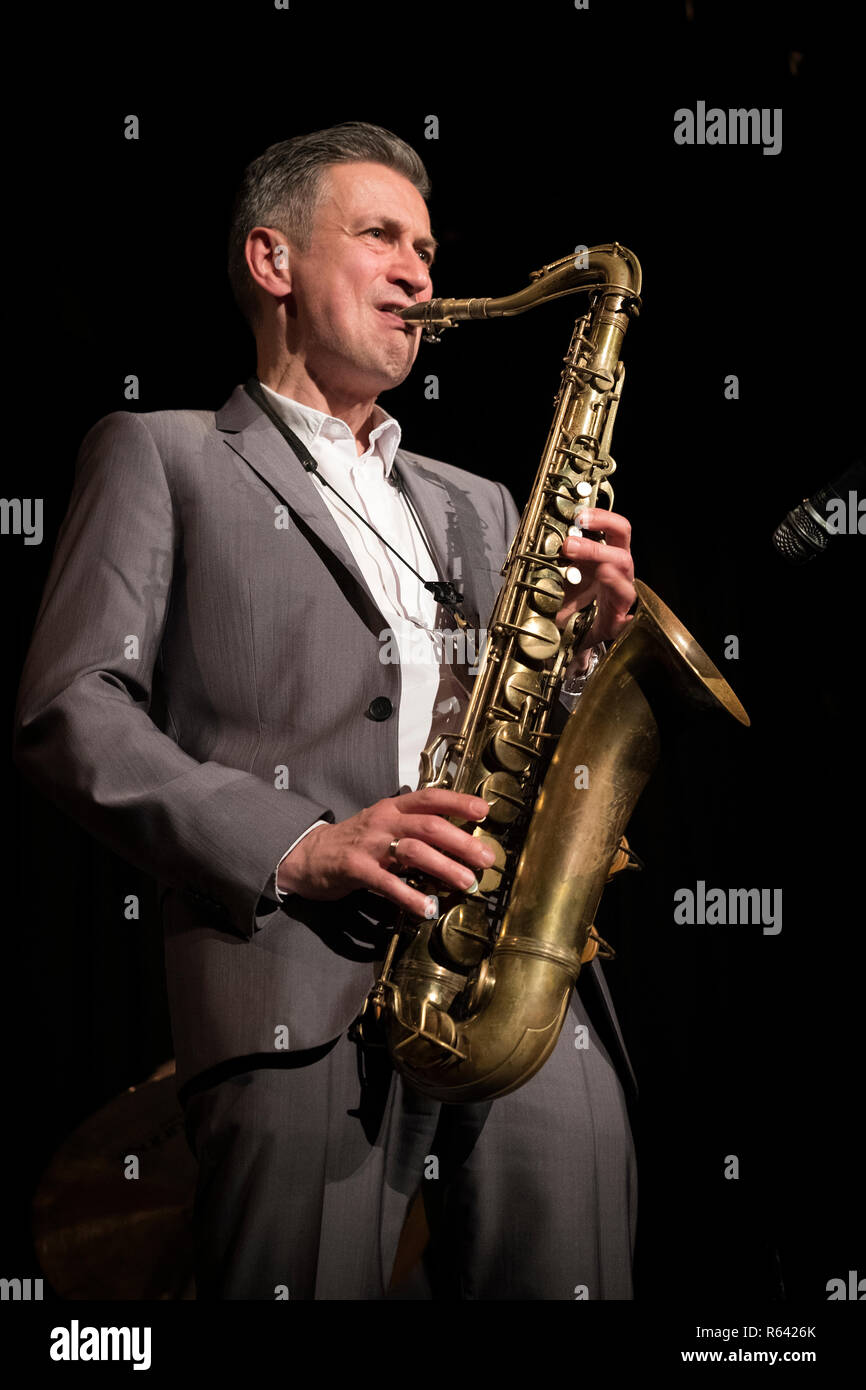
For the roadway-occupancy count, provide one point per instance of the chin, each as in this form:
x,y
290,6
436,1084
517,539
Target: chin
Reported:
x,y
394,372
397,378
382,371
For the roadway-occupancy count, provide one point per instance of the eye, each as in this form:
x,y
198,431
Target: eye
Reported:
x,y
380,231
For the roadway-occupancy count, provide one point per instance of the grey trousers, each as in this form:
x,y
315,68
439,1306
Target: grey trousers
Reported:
x,y
308,1163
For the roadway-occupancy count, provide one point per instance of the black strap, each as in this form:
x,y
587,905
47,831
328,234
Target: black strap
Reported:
x,y
444,591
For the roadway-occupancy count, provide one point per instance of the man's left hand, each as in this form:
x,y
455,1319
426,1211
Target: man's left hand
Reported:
x,y
606,574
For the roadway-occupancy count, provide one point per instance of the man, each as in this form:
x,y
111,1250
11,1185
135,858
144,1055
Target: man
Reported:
x,y
204,692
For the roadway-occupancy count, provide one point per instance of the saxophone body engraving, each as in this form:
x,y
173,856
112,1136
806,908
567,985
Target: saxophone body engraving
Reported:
x,y
470,1005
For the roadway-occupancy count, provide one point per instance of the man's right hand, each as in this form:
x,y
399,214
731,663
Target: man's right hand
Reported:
x,y
334,860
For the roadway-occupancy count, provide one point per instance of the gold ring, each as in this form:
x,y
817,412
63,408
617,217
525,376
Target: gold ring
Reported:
x,y
392,848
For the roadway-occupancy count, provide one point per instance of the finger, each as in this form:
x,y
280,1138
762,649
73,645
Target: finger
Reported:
x,y
442,802
572,607
393,888
586,552
614,590
577,596
616,528
443,836
418,856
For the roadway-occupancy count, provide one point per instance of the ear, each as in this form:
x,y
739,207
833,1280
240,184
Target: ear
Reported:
x,y
268,260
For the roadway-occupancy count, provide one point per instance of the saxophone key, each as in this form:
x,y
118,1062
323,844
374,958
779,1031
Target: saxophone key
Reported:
x,y
508,749
520,686
551,541
562,497
463,934
503,793
544,590
490,879
538,637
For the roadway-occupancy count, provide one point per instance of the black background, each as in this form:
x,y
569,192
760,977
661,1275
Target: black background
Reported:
x,y
555,128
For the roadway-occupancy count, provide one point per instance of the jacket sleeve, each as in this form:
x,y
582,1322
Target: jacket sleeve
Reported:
x,y
83,734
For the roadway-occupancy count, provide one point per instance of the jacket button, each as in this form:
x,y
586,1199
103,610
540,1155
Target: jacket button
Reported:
x,y
380,708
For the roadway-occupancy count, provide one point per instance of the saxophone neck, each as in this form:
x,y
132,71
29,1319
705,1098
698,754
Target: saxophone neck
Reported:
x,y
610,268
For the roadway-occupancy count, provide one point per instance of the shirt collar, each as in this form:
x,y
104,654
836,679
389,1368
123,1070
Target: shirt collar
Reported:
x,y
311,425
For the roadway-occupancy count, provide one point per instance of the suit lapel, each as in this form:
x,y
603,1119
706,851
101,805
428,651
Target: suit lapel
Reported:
x,y
432,502
439,507
253,437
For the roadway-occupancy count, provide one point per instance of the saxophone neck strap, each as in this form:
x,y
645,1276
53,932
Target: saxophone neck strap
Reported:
x,y
444,591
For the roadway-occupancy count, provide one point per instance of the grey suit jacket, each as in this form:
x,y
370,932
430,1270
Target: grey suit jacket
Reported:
x,y
197,693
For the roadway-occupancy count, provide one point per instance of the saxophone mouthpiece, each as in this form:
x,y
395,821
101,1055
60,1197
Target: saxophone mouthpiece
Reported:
x,y
430,311
433,316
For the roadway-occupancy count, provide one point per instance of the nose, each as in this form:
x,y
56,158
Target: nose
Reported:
x,y
409,272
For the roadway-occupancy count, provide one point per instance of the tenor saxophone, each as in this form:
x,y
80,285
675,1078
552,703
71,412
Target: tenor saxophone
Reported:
x,y
470,1005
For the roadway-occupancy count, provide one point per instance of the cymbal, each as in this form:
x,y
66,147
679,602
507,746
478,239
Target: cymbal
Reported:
x,y
99,1231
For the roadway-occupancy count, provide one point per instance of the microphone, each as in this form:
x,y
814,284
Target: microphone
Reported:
x,y
444,592
807,528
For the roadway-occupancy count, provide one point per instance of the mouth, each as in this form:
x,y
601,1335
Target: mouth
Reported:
x,y
388,311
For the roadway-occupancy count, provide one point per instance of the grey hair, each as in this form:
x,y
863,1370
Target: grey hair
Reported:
x,y
283,187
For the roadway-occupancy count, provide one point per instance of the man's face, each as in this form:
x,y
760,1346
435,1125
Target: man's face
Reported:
x,y
371,246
